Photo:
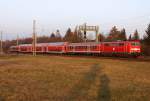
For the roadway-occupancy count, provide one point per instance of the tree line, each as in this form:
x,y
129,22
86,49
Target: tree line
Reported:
x,y
77,36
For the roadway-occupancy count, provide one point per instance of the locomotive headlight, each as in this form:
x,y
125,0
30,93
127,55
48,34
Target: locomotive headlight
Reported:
x,y
135,49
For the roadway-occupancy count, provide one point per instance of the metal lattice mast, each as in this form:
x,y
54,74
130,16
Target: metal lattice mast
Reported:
x,y
86,28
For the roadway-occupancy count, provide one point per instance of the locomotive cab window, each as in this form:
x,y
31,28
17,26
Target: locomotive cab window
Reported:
x,y
71,47
106,44
121,44
114,44
94,47
135,44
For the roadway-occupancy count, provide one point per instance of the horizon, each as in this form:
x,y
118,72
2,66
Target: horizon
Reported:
x,y
17,16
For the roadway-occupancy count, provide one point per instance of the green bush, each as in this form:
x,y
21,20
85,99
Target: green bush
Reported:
x,y
145,49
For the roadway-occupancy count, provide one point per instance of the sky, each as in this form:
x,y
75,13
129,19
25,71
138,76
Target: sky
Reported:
x,y
16,16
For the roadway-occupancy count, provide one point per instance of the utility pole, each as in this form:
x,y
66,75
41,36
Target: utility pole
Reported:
x,y
85,39
1,50
34,38
97,34
17,40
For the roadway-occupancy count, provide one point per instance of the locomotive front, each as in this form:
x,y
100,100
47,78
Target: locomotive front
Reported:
x,y
135,48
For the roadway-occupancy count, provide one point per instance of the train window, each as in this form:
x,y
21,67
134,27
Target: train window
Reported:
x,y
82,47
121,44
135,44
93,47
38,48
106,44
14,48
71,47
78,47
85,47
114,44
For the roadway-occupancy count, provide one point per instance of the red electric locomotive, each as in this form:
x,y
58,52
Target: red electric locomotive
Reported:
x,y
119,48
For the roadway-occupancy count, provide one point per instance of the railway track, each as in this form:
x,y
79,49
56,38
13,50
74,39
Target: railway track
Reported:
x,y
138,59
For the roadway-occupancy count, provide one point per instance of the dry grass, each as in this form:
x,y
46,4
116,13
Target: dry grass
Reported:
x,y
53,78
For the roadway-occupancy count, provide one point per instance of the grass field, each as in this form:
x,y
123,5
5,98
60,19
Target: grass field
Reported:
x,y
54,78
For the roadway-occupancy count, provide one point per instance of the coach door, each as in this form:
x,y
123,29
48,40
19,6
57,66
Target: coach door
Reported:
x,y
120,47
44,49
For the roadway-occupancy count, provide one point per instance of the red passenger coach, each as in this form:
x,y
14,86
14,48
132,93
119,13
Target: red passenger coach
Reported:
x,y
84,47
25,48
14,49
58,47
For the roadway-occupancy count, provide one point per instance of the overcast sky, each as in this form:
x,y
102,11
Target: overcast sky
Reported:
x,y
16,15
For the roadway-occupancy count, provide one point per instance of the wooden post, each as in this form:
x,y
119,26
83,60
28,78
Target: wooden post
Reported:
x,y
1,50
18,44
17,40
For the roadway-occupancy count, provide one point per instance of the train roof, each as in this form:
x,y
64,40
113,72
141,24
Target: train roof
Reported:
x,y
45,44
73,44
57,43
96,43
87,43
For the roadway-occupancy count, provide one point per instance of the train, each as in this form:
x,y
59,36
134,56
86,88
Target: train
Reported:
x,y
117,48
